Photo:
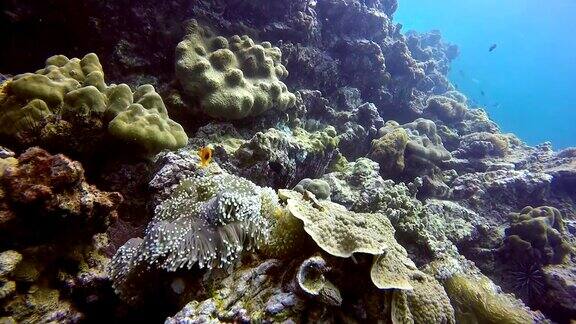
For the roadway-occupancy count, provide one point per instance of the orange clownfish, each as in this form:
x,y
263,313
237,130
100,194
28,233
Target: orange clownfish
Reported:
x,y
205,154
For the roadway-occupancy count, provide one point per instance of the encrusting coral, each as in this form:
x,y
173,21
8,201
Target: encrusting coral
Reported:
x,y
476,300
426,303
68,105
408,148
51,224
232,78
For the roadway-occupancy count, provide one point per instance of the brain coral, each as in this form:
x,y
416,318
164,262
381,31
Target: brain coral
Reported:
x,y
231,78
68,102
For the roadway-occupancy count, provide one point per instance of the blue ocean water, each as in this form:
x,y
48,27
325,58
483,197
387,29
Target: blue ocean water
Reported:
x,y
528,82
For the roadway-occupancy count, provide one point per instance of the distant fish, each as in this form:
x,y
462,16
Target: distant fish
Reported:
x,y
482,93
493,47
205,154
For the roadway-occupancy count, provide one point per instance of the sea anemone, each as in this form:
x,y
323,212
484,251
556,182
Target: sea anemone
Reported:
x,y
209,220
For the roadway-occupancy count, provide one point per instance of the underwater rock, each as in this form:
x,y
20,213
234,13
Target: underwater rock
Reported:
x,y
483,144
560,296
440,226
41,188
53,255
356,123
319,187
311,68
257,298
495,194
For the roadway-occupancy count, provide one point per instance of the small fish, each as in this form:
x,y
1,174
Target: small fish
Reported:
x,y
493,47
482,93
205,154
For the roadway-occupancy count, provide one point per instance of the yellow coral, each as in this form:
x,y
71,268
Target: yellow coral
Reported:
x,y
476,301
232,78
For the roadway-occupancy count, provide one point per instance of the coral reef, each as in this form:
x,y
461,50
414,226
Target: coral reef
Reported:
x,y
68,99
52,265
208,221
231,78
476,300
371,192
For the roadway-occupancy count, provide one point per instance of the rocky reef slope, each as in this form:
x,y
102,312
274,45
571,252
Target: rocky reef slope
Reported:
x,y
342,177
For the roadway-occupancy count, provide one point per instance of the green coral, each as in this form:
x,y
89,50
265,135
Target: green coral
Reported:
x,y
338,231
401,146
319,187
232,78
424,142
426,303
69,99
392,269
537,235
476,300
146,123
